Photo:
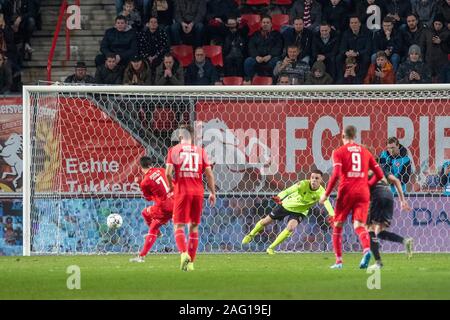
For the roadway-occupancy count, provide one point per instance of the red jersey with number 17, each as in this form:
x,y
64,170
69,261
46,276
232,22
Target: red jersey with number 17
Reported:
x,y
189,161
154,186
354,161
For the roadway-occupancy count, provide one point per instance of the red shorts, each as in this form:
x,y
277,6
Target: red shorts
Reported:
x,y
359,206
187,209
162,212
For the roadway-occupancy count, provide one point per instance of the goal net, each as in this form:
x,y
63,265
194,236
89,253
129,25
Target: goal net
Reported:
x,y
82,147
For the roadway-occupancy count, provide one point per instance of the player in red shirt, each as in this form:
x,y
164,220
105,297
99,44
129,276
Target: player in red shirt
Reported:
x,y
154,187
351,164
188,162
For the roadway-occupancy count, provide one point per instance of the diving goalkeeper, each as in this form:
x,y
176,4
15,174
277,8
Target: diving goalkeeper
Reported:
x,y
294,202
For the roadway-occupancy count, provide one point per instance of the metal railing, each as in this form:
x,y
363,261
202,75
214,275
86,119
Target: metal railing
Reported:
x,y
63,15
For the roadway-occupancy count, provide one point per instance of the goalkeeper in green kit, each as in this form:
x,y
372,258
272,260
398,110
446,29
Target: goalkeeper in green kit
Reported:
x,y
294,202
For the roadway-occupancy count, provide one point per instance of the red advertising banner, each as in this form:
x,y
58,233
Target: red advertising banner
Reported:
x,y
282,140
10,144
97,154
78,148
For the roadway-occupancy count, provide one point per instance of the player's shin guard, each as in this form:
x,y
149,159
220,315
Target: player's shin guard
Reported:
x,y
180,239
281,237
363,238
337,243
148,244
375,246
390,236
193,245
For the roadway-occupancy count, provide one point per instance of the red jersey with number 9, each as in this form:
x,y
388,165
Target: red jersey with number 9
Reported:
x,y
355,161
154,186
189,163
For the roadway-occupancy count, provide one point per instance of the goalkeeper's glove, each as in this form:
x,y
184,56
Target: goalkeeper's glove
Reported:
x,y
277,199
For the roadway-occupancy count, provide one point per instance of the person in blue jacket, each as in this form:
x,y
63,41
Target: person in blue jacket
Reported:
x,y
445,177
395,159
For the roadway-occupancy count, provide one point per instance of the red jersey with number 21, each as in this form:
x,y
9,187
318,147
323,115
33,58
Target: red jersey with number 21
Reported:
x,y
189,163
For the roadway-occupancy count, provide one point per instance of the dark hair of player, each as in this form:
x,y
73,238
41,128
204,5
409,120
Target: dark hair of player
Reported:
x,y
393,140
146,162
350,132
317,171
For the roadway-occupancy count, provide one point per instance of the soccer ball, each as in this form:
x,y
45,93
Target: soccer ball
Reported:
x,y
114,221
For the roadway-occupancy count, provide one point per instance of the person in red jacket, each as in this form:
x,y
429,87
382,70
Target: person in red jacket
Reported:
x,y
382,72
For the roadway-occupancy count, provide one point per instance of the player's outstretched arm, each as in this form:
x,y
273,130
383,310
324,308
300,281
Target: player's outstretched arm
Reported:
x,y
329,207
211,186
337,168
398,186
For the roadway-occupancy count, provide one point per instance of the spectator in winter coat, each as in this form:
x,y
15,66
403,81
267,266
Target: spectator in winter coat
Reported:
x,y
169,72
380,72
80,76
437,47
188,27
110,72
265,49
201,71
310,11
153,43
137,72
318,75
120,41
296,69
325,47
414,70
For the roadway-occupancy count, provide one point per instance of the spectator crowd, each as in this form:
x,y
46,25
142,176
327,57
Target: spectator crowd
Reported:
x,y
290,42
282,41
18,20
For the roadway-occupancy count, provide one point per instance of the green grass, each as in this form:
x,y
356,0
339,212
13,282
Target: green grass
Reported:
x,y
232,276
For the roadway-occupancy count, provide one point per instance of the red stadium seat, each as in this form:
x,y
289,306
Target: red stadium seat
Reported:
x,y
257,2
279,20
183,53
253,22
282,2
233,81
262,81
214,53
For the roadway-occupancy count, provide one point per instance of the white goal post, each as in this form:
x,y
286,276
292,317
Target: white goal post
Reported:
x,y
81,146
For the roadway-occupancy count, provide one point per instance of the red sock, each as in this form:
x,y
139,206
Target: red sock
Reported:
x,y
149,241
151,237
193,245
180,239
364,238
337,243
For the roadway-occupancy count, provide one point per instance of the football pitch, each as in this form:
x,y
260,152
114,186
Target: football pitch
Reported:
x,y
224,276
